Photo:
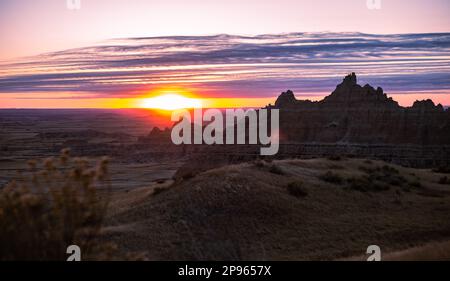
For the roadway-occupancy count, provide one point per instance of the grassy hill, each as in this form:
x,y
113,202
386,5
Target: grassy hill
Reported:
x,y
316,209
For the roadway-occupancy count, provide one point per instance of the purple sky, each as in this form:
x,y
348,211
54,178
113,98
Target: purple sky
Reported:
x,y
109,49
29,27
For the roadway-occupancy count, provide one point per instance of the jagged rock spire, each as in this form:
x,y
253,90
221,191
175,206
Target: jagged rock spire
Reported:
x,y
350,79
286,98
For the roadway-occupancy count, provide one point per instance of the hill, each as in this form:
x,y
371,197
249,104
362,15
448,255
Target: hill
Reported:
x,y
316,209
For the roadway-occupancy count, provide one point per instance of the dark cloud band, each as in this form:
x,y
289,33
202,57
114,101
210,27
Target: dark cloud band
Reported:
x,y
225,65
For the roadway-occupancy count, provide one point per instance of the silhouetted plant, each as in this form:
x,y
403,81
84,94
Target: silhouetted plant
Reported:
x,y
366,183
274,169
386,169
378,178
259,163
56,203
296,189
442,169
444,180
331,177
158,190
416,183
334,158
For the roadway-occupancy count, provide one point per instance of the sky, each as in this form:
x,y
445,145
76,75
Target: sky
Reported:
x,y
110,53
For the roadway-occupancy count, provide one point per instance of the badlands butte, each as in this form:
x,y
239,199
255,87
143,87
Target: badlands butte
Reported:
x,y
355,121
353,170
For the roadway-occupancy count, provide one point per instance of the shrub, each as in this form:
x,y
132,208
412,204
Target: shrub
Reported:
x,y
274,169
397,201
357,184
331,177
335,167
268,159
442,169
383,175
334,158
365,184
415,183
56,203
188,175
397,181
406,188
369,170
388,170
392,176
444,180
259,163
296,189
158,190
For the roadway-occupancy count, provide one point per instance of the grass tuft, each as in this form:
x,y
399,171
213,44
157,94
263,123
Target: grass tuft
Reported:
x,y
442,169
57,202
444,180
296,189
334,158
275,169
332,177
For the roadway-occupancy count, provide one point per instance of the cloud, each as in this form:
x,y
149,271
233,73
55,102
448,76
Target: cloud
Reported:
x,y
237,66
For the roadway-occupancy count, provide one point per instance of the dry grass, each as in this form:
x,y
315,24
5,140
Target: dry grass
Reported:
x,y
247,212
56,203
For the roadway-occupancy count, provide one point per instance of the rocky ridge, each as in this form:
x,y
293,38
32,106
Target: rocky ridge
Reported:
x,y
361,114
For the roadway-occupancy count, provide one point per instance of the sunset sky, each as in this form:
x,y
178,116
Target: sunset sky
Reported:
x,y
113,53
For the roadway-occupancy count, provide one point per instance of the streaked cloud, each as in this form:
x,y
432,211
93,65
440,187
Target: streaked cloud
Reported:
x,y
236,66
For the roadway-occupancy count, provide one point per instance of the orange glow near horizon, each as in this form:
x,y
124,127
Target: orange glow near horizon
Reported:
x,y
164,100
171,102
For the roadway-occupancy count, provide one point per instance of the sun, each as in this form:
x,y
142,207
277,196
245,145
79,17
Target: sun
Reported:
x,y
171,102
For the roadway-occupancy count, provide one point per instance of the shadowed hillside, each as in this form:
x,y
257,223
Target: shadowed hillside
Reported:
x,y
284,210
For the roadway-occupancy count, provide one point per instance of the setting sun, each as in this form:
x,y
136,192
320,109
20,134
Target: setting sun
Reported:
x,y
171,102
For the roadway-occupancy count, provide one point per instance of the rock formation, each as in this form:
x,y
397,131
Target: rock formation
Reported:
x,y
361,115
355,121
